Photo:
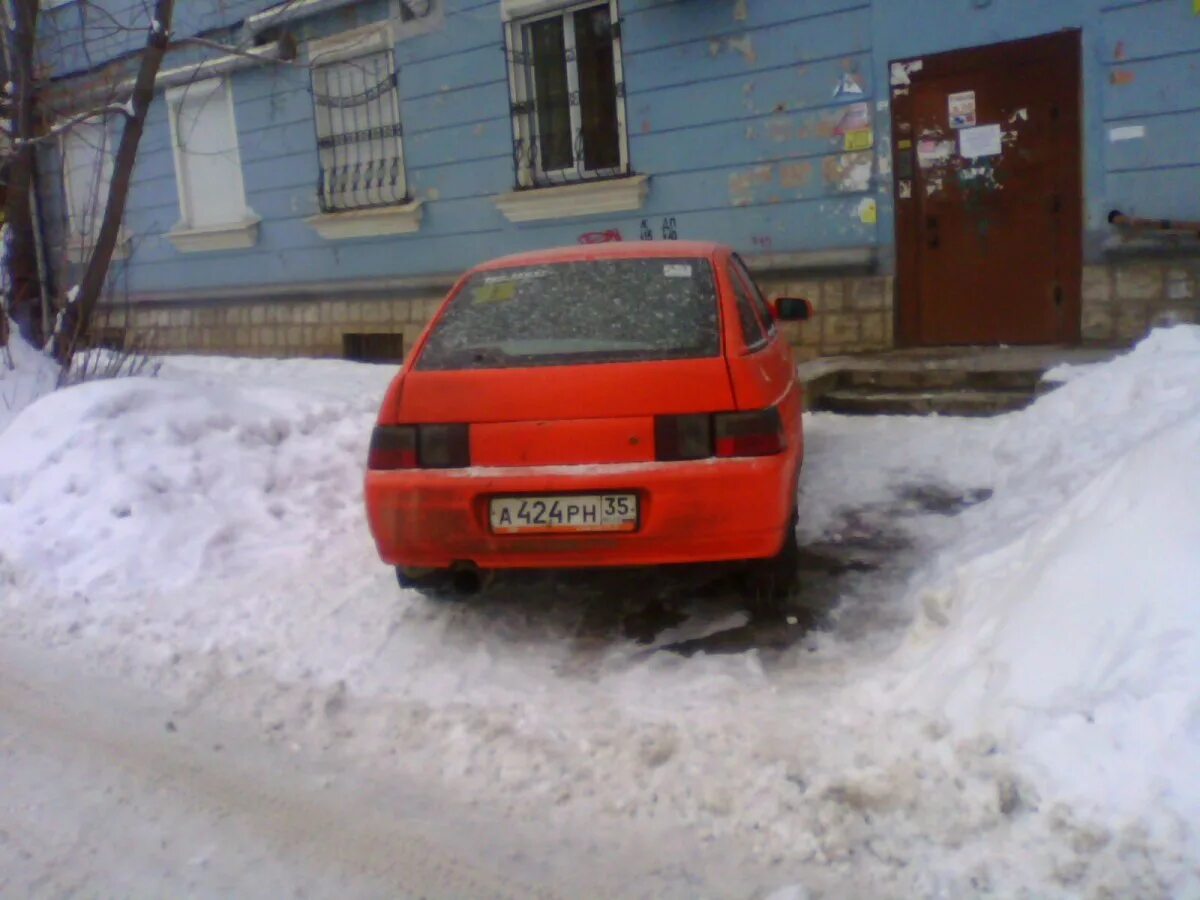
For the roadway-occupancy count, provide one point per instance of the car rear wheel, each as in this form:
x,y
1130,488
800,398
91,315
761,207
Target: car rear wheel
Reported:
x,y
770,581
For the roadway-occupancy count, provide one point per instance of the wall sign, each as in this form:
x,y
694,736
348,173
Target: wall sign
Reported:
x,y
962,109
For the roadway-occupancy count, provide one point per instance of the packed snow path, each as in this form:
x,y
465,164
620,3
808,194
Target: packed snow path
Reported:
x,y
999,694
119,795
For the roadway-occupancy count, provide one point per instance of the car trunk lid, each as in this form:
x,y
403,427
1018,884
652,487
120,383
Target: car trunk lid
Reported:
x,y
568,415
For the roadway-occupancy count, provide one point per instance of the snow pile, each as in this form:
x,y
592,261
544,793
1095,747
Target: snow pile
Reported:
x,y
203,532
1066,620
25,375
117,487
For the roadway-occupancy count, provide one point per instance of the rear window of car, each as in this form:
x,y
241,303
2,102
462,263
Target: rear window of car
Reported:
x,y
568,313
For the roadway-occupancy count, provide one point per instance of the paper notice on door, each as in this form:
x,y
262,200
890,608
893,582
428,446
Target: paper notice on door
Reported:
x,y
981,141
961,107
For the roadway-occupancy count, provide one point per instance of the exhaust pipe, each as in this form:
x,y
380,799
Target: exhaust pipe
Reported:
x,y
467,578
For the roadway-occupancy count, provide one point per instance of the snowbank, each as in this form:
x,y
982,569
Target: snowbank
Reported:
x,y
147,499
1065,622
1008,715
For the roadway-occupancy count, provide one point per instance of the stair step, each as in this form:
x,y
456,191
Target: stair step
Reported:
x,y
946,378
869,401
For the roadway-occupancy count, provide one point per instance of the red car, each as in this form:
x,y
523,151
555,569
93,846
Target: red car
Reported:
x,y
619,404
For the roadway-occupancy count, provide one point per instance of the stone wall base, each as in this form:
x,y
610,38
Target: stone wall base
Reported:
x,y
852,314
268,328
1123,301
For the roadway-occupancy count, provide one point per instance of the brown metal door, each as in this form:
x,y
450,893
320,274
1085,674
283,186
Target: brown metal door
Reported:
x,y
989,199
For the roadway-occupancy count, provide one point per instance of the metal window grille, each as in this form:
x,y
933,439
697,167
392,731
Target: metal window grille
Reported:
x,y
359,137
568,96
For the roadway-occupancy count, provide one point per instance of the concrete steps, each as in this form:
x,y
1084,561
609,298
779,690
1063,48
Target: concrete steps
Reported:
x,y
943,402
960,382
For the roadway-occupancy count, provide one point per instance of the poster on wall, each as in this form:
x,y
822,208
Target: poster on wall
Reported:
x,y
962,109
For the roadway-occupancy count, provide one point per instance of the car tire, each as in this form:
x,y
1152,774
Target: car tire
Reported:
x,y
770,581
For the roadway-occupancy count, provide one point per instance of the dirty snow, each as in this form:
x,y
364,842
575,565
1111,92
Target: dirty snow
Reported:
x,y
1002,698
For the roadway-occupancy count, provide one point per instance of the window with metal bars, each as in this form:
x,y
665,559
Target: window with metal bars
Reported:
x,y
568,96
356,103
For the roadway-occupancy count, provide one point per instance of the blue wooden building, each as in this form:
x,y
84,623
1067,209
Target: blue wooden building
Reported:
x,y
315,173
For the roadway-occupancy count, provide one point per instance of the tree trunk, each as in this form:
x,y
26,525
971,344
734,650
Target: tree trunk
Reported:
x,y
78,314
24,285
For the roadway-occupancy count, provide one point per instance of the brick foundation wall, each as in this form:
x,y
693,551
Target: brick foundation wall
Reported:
x,y
1121,302
272,327
852,314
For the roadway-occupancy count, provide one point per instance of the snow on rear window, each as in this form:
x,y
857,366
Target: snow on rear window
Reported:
x,y
597,311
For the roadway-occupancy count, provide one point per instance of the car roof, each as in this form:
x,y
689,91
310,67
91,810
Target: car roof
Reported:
x,y
609,250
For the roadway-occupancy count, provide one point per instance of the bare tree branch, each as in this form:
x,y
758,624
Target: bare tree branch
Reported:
x,y
57,129
79,313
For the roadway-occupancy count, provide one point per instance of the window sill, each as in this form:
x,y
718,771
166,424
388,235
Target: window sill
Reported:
x,y
237,236
360,223
569,201
79,247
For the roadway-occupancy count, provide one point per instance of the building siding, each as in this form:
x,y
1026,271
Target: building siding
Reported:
x,y
1152,80
732,108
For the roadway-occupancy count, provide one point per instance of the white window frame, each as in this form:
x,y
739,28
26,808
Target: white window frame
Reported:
x,y
242,231
522,95
81,235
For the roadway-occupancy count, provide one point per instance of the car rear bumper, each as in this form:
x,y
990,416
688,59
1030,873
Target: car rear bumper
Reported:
x,y
704,511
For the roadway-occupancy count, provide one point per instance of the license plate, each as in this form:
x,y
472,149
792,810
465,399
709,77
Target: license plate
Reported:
x,y
564,512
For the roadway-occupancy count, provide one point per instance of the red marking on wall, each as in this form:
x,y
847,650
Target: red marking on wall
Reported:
x,y
1119,50
600,237
1121,76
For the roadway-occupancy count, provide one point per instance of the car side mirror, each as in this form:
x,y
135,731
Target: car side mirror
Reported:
x,y
793,309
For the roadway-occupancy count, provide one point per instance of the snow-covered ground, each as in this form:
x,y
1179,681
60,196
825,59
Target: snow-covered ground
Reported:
x,y
1003,699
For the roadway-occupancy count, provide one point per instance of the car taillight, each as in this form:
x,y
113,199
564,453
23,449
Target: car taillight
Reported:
x,y
419,447
758,433
683,437
443,446
393,447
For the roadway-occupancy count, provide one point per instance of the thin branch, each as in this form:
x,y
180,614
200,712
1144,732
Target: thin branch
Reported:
x,y
55,130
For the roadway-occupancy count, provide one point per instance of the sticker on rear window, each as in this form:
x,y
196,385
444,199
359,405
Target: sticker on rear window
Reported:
x,y
491,293
677,270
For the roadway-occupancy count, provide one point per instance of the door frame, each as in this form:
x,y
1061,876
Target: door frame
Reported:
x,y
1056,45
